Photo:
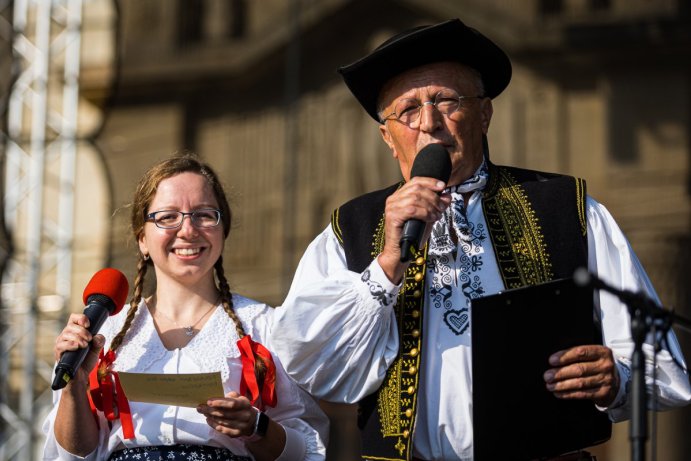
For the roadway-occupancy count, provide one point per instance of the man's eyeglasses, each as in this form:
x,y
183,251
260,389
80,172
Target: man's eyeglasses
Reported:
x,y
171,219
447,102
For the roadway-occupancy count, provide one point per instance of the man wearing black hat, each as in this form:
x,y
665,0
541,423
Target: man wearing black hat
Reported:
x,y
362,324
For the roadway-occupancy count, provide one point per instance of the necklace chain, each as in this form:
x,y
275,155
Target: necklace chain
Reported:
x,y
189,331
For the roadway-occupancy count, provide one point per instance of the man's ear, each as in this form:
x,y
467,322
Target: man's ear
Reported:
x,y
386,136
486,110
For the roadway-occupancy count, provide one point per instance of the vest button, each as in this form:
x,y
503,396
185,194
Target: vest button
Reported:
x,y
415,313
413,352
418,276
409,413
411,390
417,294
412,370
406,433
420,261
415,333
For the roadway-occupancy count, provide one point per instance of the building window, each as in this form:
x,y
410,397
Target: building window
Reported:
x,y
190,15
206,22
551,7
600,5
238,19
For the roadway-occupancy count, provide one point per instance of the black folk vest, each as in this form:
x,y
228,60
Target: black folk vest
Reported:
x,y
538,229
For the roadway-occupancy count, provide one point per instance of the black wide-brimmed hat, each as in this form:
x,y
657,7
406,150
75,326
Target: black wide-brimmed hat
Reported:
x,y
447,41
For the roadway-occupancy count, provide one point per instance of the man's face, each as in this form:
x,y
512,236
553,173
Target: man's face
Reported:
x,y
460,132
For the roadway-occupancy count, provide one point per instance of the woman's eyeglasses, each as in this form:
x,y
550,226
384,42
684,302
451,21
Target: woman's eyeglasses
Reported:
x,y
171,219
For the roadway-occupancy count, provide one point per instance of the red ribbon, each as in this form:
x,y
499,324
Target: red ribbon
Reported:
x,y
248,384
107,395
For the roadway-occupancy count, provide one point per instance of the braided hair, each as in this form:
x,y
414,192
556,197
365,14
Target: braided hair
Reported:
x,y
143,196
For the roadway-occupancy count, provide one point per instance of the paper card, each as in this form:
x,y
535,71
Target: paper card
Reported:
x,y
184,390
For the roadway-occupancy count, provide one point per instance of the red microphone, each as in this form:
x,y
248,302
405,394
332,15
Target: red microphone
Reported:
x,y
104,295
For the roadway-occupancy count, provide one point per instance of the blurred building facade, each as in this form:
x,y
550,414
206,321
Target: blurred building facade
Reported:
x,y
601,90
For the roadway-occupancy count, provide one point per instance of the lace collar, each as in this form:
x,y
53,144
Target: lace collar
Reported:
x,y
210,348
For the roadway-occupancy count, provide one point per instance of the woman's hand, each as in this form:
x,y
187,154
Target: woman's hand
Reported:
x,y
75,427
232,415
235,416
76,336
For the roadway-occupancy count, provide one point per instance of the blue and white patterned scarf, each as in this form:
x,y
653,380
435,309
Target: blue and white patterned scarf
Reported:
x,y
455,267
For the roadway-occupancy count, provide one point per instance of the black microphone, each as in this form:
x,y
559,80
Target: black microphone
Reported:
x,y
104,295
433,161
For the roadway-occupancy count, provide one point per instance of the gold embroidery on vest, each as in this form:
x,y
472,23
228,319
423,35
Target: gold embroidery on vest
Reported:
x,y
336,226
397,396
515,231
580,204
378,239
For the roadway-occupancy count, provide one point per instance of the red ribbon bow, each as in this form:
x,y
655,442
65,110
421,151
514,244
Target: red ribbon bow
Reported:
x,y
104,388
248,384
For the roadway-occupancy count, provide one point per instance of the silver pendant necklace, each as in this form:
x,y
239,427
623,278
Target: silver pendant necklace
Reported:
x,y
189,330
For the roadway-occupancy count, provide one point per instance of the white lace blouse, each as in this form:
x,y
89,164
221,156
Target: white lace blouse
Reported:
x,y
212,349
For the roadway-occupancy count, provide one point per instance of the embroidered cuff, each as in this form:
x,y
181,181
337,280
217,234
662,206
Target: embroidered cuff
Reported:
x,y
378,285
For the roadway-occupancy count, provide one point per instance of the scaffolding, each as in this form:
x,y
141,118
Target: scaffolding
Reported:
x,y
38,148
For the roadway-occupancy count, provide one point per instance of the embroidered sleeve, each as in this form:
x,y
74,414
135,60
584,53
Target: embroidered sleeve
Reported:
x,y
378,285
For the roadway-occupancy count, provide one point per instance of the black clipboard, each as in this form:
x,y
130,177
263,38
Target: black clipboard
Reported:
x,y
513,334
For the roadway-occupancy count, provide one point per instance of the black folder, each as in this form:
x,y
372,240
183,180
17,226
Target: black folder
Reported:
x,y
513,333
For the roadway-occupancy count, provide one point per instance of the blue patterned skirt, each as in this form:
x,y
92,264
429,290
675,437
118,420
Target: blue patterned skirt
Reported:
x,y
178,452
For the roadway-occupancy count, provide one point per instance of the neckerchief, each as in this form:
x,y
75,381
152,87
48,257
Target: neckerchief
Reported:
x,y
454,266
441,241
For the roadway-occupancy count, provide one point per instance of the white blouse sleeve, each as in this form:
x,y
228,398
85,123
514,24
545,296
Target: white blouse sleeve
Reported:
x,y
305,424
336,331
52,449
612,259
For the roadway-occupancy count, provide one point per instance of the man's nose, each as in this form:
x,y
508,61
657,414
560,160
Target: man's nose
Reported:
x,y
430,117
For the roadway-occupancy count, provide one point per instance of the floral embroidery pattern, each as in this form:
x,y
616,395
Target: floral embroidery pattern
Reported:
x,y
456,264
180,452
376,290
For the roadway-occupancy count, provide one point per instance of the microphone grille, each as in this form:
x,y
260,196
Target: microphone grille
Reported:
x,y
433,161
581,277
111,283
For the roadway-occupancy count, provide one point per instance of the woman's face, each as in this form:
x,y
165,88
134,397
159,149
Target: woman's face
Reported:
x,y
186,254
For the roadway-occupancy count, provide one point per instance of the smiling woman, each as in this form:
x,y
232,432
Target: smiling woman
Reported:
x,y
183,251
192,323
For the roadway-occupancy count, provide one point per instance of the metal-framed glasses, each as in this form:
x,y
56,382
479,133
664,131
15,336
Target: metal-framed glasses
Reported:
x,y
407,111
171,219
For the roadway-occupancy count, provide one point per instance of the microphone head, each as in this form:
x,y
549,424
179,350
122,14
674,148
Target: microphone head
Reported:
x,y
111,283
581,277
433,161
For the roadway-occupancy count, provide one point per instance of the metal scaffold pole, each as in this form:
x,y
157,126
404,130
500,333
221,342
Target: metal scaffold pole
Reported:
x,y
39,156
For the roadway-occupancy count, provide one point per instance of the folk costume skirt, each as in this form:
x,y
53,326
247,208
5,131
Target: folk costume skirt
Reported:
x,y
180,452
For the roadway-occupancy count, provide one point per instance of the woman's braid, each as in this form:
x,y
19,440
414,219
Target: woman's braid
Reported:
x,y
142,266
227,301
